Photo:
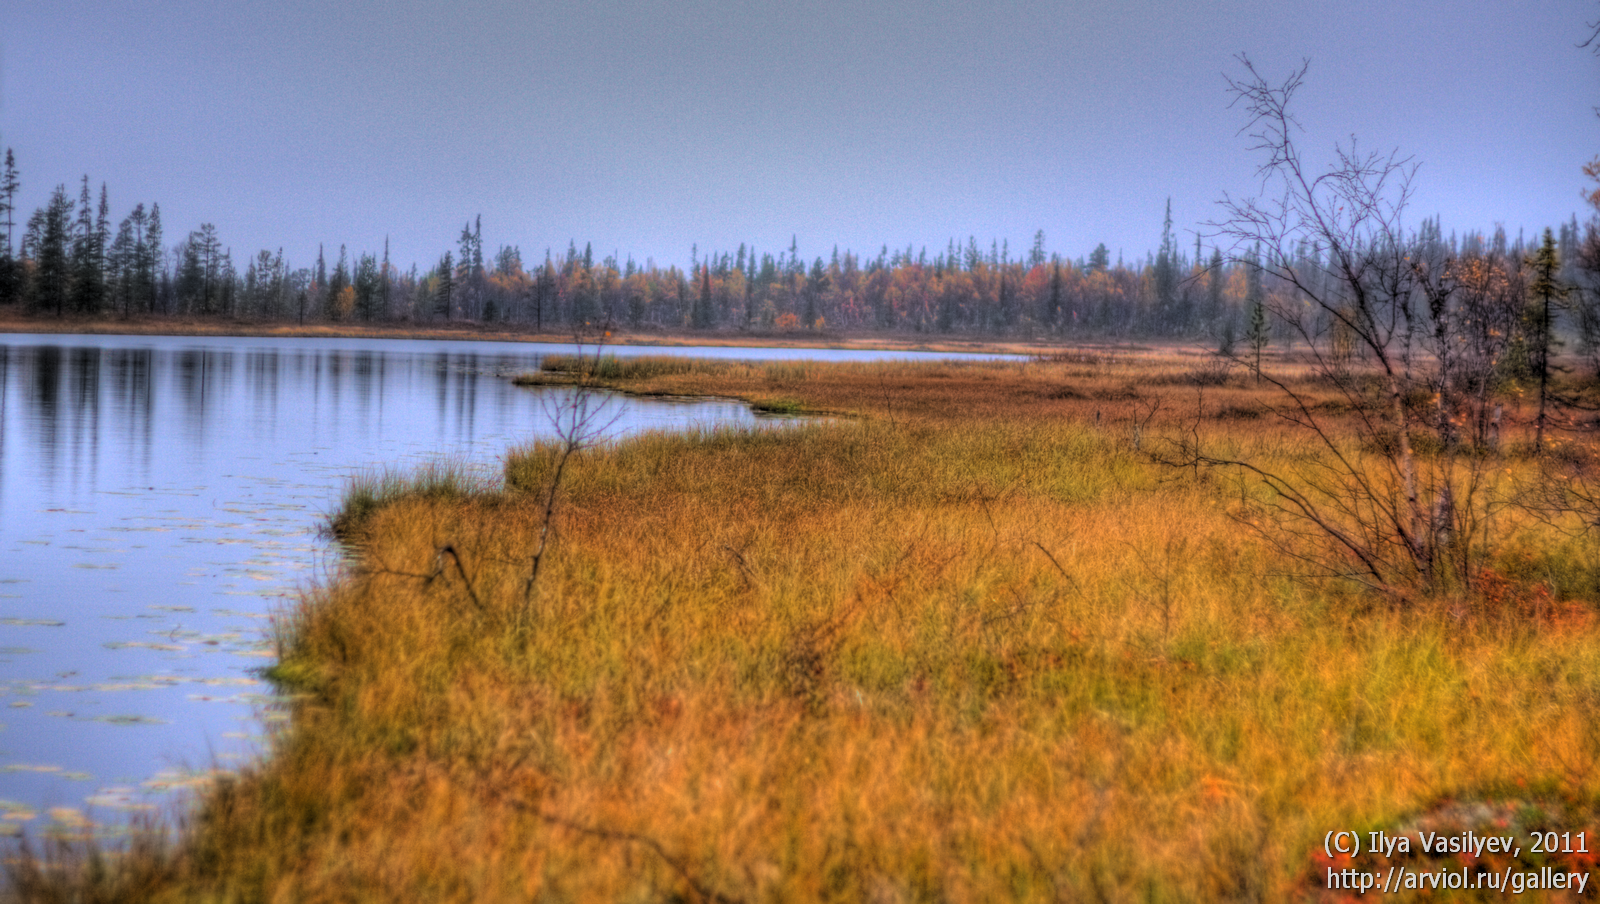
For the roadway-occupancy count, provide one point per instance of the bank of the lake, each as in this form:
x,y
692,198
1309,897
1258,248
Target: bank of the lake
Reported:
x,y
163,325
970,642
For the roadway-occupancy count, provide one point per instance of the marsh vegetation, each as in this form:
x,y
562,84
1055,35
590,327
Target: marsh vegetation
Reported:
x,y
969,639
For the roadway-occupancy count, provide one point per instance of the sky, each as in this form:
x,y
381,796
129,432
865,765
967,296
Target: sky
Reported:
x,y
649,128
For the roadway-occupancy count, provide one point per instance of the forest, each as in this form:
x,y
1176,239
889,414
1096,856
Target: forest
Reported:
x,y
65,260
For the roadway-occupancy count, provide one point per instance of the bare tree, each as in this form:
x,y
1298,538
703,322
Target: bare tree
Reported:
x,y
578,420
1374,307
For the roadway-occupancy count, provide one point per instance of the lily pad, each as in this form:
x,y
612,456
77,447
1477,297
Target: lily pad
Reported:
x,y
130,720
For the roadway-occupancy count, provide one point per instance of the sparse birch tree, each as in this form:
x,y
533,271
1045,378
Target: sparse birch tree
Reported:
x,y
1370,507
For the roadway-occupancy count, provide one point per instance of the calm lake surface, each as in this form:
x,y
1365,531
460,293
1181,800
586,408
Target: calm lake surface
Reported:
x,y
161,498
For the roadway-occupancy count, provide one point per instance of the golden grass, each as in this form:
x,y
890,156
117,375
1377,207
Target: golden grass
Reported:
x,y
967,643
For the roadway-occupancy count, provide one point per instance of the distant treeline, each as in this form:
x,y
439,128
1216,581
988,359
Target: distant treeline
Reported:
x,y
69,261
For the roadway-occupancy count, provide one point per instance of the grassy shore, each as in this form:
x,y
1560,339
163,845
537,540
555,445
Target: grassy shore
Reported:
x,y
966,641
150,325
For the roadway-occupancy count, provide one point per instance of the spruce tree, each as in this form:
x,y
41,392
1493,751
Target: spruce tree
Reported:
x,y
52,274
154,255
88,255
1053,311
337,283
1259,333
1214,284
8,197
10,271
1546,290
383,285
1166,270
701,317
367,287
445,294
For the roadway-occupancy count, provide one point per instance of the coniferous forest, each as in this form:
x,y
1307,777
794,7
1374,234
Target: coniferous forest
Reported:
x,y
66,259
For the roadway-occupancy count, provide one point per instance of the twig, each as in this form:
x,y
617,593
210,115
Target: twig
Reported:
x,y
1070,579
700,891
456,557
744,567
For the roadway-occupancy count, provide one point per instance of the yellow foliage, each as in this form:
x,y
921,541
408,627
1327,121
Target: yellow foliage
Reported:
x,y
344,303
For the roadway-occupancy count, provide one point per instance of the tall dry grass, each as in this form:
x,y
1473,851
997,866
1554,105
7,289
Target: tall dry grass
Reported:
x,y
968,644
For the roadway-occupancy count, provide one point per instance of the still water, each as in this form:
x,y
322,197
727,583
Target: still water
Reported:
x,y
161,498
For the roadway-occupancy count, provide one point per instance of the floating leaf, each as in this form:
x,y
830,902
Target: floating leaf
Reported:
x,y
130,720
140,644
69,816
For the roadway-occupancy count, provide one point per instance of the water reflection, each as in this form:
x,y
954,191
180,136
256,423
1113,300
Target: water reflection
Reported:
x,y
160,498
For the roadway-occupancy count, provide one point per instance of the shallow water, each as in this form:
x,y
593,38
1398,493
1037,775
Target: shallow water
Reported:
x,y
161,498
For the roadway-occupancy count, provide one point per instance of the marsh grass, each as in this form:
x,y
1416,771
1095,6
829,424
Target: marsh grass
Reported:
x,y
367,492
614,367
967,644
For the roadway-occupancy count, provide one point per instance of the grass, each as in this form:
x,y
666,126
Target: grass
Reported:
x,y
367,493
967,643
612,367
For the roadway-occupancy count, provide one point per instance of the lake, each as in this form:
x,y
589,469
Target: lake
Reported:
x,y
162,497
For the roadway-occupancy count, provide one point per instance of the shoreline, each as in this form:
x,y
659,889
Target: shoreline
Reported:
x,y
11,323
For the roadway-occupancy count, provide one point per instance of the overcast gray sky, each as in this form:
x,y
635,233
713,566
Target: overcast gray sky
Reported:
x,y
646,127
